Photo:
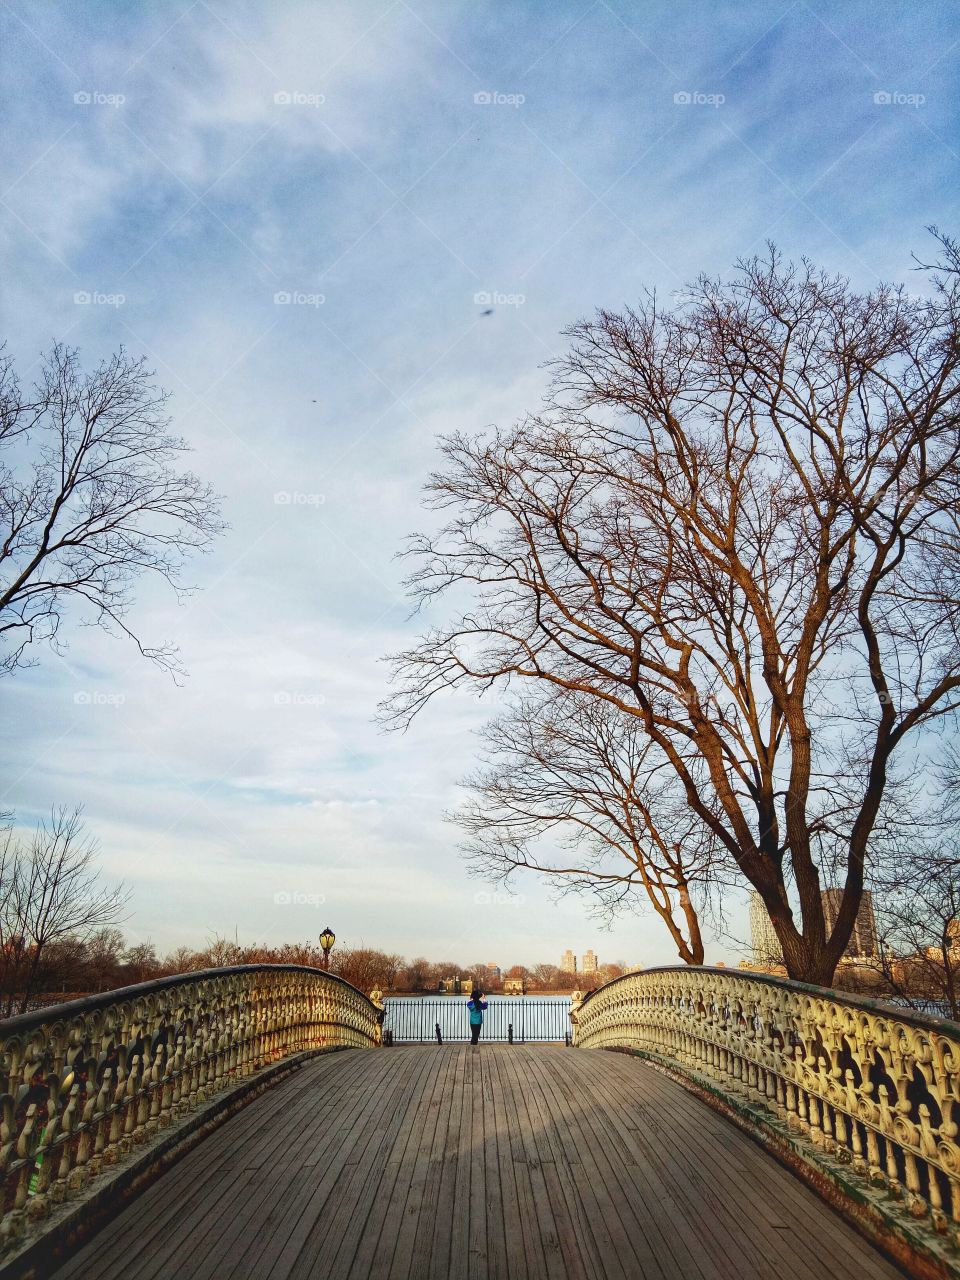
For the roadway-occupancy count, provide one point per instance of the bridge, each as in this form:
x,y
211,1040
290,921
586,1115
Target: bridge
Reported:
x,y
249,1122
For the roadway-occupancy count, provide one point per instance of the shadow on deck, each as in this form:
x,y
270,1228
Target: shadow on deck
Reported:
x,y
498,1162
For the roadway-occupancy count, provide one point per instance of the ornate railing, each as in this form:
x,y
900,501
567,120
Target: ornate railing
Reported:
x,y
871,1086
87,1082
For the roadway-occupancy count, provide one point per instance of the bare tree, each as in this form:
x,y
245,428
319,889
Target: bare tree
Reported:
x,y
578,769
918,930
50,891
90,500
142,961
737,523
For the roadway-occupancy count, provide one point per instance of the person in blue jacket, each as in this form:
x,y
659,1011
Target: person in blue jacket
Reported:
x,y
476,1004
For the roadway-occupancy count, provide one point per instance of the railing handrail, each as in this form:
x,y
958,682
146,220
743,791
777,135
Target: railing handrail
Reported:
x,y
902,1012
88,1004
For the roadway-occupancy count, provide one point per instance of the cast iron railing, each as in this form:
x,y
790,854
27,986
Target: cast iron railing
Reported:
x,y
508,1019
875,1087
86,1082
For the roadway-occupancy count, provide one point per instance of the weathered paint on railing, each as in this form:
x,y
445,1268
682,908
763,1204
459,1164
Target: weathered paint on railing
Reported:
x,y
86,1082
872,1086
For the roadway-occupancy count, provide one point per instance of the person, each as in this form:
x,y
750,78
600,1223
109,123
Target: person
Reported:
x,y
476,1004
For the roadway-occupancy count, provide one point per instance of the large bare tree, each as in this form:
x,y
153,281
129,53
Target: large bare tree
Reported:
x,y
735,521
90,499
576,769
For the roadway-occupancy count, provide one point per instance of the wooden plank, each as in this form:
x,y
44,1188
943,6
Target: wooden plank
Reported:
x,y
786,1208
335,1236
408,1247
430,1243
376,1250
308,1178
571,1217
611,1242
558,1248
458,1208
504,1161
205,1169
498,1247
477,1205
511,1210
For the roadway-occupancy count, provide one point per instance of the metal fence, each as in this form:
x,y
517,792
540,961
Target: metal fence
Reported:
x,y
508,1019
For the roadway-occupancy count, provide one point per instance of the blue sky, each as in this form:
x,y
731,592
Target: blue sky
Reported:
x,y
292,211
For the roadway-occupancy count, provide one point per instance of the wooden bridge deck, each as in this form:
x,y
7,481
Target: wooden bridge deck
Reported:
x,y
506,1162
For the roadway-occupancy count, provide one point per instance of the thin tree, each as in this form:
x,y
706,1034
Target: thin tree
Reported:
x,y
737,523
91,500
50,891
576,769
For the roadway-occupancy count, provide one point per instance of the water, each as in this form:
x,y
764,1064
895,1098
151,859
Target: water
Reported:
x,y
415,1018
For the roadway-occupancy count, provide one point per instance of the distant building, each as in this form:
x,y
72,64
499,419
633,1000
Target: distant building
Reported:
x,y
513,987
763,940
589,962
863,939
493,973
568,962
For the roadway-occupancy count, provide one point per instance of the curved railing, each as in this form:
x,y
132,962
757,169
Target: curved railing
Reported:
x,y
871,1086
86,1082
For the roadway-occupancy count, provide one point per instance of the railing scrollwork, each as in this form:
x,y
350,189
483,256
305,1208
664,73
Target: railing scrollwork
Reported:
x,y
873,1087
85,1083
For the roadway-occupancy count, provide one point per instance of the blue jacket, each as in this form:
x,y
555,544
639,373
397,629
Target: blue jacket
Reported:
x,y
476,1014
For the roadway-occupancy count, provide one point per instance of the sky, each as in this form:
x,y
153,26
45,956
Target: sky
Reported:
x,y
300,213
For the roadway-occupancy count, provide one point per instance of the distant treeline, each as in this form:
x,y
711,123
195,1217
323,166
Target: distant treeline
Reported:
x,y
107,960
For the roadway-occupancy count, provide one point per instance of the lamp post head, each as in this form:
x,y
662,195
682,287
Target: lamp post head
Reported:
x,y
327,939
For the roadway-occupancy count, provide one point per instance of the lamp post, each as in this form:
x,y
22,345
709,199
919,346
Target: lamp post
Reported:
x,y
327,939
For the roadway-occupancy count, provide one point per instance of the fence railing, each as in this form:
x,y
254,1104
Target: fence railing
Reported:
x,y
86,1082
875,1087
508,1019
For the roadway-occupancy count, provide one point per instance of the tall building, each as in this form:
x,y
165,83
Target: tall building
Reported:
x,y
568,962
763,940
863,939
589,962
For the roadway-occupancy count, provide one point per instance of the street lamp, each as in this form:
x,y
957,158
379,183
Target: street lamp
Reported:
x,y
327,939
